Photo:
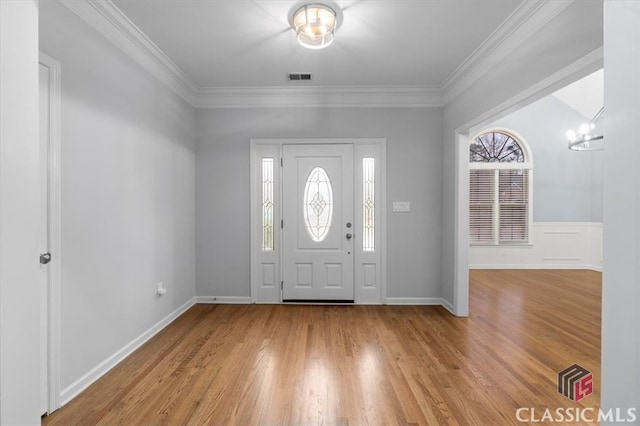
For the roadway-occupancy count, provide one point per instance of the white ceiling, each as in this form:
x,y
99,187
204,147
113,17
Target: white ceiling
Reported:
x,y
241,43
586,95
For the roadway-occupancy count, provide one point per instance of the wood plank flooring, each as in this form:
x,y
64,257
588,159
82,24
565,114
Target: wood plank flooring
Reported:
x,y
361,365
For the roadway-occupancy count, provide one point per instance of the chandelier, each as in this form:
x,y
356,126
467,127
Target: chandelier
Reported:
x,y
584,138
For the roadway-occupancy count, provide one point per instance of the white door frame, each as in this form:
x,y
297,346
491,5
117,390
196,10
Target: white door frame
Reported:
x,y
266,265
53,315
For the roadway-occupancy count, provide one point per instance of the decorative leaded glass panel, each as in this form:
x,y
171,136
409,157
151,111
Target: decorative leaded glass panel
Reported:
x,y
317,206
267,204
495,147
368,204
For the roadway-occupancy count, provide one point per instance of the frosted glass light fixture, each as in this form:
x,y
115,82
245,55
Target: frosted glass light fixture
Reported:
x,y
584,138
315,25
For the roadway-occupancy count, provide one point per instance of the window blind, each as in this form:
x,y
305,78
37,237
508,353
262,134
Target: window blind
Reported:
x,y
514,206
499,206
481,206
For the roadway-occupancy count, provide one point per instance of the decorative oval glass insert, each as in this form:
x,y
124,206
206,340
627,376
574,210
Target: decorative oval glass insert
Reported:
x,y
317,206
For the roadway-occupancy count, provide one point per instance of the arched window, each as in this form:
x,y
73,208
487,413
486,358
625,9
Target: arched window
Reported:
x,y
500,167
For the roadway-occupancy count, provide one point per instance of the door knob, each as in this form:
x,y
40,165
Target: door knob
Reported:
x,y
45,258
349,236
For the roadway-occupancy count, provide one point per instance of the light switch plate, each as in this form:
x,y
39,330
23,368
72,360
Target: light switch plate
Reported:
x,y
402,206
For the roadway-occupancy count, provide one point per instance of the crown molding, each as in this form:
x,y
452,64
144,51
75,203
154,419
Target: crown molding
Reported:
x,y
108,20
112,23
287,96
576,70
524,21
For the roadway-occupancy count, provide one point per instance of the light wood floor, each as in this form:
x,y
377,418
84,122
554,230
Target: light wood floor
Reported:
x,y
357,365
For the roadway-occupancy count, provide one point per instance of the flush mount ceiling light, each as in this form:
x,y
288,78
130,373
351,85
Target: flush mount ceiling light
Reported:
x,y
584,138
315,24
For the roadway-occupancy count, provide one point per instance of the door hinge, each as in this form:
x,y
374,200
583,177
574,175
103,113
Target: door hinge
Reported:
x,y
281,223
281,162
281,285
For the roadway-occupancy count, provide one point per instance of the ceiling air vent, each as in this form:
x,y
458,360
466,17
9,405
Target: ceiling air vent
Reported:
x,y
297,76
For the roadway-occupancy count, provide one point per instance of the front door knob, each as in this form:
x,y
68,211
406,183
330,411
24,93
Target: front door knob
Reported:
x,y
349,236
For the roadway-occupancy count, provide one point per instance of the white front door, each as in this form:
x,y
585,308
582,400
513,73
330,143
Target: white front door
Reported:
x,y
318,223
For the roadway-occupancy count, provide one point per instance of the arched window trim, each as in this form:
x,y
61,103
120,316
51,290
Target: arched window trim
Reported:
x,y
526,150
495,225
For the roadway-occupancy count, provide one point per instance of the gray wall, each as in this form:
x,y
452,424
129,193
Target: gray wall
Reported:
x,y
20,287
128,187
621,274
414,173
567,185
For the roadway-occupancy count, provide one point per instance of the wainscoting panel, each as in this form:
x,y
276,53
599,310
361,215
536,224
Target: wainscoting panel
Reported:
x,y
554,245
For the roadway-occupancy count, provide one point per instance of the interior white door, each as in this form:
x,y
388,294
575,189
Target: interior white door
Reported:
x,y
318,230
44,237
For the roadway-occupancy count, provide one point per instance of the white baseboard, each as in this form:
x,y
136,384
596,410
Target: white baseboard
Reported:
x,y
223,300
414,301
448,306
101,369
537,266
